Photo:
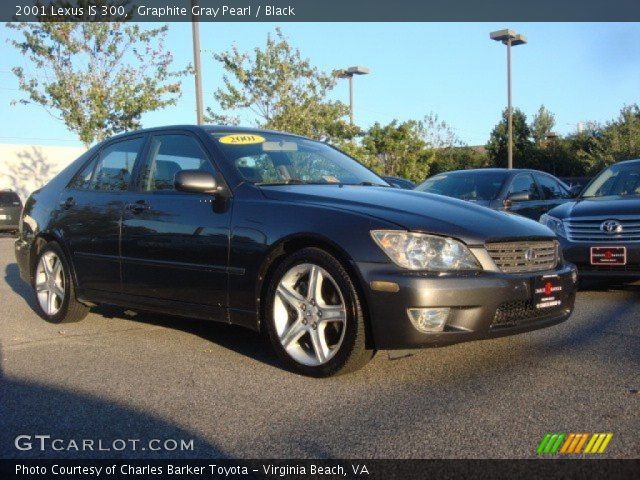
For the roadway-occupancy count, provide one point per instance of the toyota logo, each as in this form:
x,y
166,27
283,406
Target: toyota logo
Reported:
x,y
529,255
611,226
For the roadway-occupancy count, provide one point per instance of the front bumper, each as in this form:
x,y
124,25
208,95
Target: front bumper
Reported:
x,y
485,304
579,253
23,258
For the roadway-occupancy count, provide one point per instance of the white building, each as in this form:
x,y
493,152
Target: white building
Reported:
x,y
24,168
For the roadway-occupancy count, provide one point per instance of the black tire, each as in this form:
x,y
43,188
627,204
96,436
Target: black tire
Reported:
x,y
70,309
354,351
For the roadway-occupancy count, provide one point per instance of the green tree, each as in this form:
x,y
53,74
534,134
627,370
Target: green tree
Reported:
x,y
542,125
598,146
282,90
522,144
448,152
97,77
398,149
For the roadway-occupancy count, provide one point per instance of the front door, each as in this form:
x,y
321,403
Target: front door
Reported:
x,y
90,213
553,192
534,206
175,244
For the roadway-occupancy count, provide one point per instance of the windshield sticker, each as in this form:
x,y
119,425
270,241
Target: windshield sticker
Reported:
x,y
241,139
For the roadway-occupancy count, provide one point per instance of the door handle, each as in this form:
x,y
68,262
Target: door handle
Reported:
x,y
68,203
138,207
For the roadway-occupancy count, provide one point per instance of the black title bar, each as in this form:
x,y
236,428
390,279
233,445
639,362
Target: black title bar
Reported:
x,y
317,469
322,10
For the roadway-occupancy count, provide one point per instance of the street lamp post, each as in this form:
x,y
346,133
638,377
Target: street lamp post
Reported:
x,y
349,73
195,29
510,39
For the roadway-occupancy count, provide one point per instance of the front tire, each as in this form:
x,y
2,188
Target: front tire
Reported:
x,y
314,315
55,293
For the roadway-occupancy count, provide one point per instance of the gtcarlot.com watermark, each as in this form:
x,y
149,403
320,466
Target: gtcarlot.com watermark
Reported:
x,y
47,443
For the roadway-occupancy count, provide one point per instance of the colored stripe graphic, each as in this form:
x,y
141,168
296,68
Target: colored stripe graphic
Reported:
x,y
572,443
581,443
543,443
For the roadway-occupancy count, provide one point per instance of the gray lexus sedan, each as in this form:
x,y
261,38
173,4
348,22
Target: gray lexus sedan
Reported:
x,y
285,235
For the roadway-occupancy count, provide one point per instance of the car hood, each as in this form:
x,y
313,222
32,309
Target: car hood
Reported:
x,y
597,207
415,211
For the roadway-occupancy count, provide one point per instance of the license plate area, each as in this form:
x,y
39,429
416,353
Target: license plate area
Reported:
x,y
608,256
547,292
5,217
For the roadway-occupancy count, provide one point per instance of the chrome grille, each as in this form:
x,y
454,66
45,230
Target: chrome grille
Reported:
x,y
522,257
627,229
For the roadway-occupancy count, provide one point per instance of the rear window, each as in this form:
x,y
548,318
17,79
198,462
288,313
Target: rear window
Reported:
x,y
471,185
9,199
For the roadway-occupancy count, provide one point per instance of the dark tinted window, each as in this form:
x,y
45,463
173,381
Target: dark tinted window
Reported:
x,y
617,180
83,179
524,183
168,155
471,185
9,199
551,188
113,172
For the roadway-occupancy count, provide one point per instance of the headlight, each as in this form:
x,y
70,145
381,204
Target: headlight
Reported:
x,y
419,251
555,224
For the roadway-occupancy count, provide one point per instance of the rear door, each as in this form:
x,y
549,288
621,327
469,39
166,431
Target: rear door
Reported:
x,y
532,208
553,192
91,210
175,244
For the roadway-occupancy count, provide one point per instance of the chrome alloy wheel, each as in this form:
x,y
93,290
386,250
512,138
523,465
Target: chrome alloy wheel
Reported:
x,y
49,283
310,315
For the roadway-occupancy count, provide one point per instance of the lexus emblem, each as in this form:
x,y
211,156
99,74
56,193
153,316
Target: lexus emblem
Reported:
x,y
529,255
611,226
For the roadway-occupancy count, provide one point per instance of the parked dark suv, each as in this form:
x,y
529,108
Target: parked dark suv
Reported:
x,y
10,209
530,193
600,230
279,233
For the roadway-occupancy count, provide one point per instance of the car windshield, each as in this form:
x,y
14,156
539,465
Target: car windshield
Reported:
x,y
471,185
621,180
9,199
275,159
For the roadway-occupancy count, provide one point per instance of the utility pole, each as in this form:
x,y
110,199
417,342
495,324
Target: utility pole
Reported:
x,y
195,28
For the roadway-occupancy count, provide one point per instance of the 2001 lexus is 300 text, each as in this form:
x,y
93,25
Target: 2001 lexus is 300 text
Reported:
x,y
285,235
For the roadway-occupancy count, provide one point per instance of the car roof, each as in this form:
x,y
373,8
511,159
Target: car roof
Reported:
x,y
635,160
207,129
494,170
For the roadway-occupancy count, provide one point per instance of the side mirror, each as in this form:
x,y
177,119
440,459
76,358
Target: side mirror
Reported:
x,y
195,181
575,191
519,197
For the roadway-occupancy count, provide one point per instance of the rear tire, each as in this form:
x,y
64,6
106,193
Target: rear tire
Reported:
x,y
314,315
55,292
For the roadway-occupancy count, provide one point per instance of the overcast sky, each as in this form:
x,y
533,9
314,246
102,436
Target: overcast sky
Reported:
x,y
581,72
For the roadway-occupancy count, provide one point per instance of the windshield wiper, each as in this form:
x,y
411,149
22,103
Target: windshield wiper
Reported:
x,y
292,181
369,184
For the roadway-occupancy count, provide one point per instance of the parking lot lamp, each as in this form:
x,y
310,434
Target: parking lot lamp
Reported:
x,y
509,38
349,73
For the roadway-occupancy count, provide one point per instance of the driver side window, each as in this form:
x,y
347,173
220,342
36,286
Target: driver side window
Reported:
x,y
524,183
168,155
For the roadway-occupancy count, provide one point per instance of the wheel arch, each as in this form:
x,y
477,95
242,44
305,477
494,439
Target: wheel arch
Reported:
x,y
42,239
293,243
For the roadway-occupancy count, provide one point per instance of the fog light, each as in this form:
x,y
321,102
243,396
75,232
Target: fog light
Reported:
x,y
429,319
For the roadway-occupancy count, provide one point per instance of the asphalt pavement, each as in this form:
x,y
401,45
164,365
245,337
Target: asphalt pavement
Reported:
x,y
120,375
